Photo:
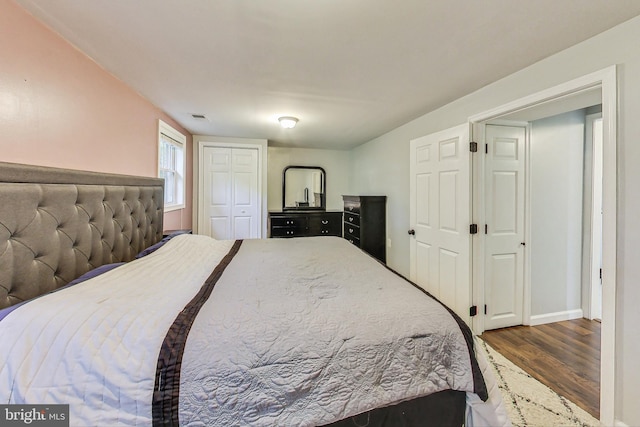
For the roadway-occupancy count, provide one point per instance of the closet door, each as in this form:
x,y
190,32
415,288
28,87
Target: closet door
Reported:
x,y
230,196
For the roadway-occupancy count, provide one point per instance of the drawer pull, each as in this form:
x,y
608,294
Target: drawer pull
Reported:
x,y
351,230
350,219
325,221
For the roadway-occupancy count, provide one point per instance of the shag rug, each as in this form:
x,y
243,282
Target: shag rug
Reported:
x,y
530,403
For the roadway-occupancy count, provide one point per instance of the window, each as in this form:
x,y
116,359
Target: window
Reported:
x,y
172,165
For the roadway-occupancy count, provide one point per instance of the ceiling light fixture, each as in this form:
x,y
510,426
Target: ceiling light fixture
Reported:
x,y
288,122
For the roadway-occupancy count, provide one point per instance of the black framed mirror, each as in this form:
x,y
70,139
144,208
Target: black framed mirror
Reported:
x,y
304,188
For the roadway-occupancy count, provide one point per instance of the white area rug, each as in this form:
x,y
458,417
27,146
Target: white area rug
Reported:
x,y
530,403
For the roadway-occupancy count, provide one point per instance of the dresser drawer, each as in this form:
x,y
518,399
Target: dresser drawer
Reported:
x,y
286,221
353,240
287,232
352,206
351,218
326,224
351,231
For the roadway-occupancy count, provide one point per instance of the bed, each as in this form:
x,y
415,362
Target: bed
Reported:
x,y
102,312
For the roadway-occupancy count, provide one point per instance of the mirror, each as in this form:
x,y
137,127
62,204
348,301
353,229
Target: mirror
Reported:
x,y
303,188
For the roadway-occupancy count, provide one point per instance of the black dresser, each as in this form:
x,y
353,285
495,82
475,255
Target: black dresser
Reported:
x,y
365,223
305,223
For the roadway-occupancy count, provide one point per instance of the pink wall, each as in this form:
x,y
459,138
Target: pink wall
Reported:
x,y
59,108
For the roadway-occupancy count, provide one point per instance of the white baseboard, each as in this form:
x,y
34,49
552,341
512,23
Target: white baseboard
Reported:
x,y
541,319
620,424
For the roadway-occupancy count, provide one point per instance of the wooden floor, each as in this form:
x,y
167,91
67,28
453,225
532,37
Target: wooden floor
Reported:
x,y
565,356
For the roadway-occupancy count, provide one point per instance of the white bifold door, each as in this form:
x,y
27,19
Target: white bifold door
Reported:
x,y
230,196
440,205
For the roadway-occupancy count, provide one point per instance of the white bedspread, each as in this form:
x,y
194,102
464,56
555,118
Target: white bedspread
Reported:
x,y
289,336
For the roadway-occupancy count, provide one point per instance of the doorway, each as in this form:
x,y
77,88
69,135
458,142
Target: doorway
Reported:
x,y
603,84
556,211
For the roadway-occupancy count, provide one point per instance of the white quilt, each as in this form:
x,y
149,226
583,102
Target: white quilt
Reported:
x,y
296,332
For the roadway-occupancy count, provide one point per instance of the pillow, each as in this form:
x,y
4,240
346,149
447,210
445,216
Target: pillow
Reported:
x,y
158,245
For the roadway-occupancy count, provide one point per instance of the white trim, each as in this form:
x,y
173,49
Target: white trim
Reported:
x,y
541,319
526,300
607,80
168,130
618,423
572,87
203,141
609,245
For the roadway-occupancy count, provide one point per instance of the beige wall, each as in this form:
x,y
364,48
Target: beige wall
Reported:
x,y
382,166
59,108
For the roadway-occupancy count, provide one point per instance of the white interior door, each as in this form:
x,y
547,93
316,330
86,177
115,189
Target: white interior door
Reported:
x,y
440,187
244,179
230,196
505,216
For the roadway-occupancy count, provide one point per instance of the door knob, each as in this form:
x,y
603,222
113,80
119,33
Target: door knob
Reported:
x,y
412,232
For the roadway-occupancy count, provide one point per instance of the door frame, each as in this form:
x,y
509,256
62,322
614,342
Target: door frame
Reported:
x,y
606,79
203,141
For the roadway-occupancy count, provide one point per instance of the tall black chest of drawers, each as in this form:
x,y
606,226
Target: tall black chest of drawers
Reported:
x,y
365,223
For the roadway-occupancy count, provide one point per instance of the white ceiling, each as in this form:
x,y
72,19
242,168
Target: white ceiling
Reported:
x,y
350,70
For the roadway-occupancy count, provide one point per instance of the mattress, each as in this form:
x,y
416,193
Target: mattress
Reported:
x,y
303,331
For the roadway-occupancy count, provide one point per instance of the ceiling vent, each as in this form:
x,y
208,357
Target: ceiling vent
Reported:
x,y
199,116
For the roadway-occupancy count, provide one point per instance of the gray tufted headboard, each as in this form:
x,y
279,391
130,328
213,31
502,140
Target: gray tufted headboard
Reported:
x,y
57,224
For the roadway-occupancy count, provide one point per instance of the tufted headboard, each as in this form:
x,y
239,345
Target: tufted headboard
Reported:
x,y
57,224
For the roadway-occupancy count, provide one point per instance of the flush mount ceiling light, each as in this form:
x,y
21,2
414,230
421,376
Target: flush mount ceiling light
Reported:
x,y
288,122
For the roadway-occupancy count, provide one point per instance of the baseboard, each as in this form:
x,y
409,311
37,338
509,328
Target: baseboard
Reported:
x,y
619,423
541,319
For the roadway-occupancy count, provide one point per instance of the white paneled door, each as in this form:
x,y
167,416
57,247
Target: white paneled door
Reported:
x,y
440,251
230,193
505,216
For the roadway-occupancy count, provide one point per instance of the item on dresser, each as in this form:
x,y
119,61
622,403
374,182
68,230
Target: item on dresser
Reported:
x,y
305,224
303,188
365,223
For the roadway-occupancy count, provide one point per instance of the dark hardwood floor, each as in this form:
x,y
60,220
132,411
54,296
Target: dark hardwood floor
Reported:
x,y
565,356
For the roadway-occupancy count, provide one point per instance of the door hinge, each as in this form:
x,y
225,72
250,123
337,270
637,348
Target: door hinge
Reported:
x,y
473,147
486,148
473,229
473,310
486,229
485,309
